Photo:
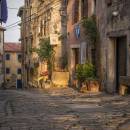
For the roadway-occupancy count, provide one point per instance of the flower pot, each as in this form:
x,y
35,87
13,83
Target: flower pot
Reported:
x,y
94,86
123,90
84,88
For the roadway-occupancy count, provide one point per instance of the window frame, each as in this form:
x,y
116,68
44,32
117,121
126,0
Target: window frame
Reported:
x,y
19,58
19,71
7,70
7,56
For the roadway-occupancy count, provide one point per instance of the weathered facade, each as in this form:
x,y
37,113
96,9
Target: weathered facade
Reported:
x,y
12,65
24,13
41,19
80,49
1,55
110,55
113,22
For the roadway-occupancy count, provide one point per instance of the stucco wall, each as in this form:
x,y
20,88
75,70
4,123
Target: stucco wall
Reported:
x,y
13,64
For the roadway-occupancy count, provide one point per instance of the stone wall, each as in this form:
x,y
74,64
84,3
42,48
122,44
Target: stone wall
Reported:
x,y
113,22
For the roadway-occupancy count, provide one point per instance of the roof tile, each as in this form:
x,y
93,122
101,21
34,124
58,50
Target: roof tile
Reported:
x,y
12,47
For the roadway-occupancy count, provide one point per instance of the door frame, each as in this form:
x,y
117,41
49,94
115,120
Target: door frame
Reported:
x,y
17,84
117,61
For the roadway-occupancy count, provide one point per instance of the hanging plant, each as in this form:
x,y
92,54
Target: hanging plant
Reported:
x,y
91,30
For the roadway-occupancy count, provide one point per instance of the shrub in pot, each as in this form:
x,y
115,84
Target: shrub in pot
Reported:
x,y
86,74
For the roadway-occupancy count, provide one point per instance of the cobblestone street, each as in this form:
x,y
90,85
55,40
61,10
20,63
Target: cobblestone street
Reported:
x,y
62,109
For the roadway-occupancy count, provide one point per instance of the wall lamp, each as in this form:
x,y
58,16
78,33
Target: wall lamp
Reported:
x,y
115,13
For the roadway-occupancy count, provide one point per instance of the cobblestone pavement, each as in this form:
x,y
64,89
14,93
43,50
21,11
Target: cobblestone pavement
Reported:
x,y
62,109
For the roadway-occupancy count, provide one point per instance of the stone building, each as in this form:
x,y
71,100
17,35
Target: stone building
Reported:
x,y
12,65
1,55
25,14
111,54
80,49
41,19
113,18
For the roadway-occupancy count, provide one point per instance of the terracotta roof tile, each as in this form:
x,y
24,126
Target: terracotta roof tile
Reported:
x,y
12,47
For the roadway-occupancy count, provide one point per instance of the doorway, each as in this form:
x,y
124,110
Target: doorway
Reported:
x,y
121,59
19,84
74,60
76,57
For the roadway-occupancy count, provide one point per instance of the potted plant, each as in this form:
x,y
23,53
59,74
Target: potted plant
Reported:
x,y
86,75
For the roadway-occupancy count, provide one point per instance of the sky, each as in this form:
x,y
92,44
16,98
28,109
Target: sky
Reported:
x,y
13,34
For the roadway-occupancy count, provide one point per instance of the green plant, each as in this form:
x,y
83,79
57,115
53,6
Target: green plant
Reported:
x,y
79,72
46,53
91,30
85,71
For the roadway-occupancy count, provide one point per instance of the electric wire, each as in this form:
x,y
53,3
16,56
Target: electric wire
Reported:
x,y
29,17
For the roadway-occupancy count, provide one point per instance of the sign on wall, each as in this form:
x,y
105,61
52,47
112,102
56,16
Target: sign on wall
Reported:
x,y
54,39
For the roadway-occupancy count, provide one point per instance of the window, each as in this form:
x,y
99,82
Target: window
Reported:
x,y
45,28
19,71
76,12
95,4
7,56
7,70
84,8
109,2
19,57
66,2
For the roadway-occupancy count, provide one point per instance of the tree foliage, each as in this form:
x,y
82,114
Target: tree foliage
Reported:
x,y
46,53
45,50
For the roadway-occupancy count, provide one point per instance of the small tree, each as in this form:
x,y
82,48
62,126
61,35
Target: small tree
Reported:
x,y
46,53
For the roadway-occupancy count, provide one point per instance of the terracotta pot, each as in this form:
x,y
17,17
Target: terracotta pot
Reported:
x,y
84,88
123,90
94,86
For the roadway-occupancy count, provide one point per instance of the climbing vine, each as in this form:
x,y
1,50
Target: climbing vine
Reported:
x,y
90,28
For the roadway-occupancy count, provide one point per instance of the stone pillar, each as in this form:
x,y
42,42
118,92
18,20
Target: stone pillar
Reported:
x,y
111,70
83,52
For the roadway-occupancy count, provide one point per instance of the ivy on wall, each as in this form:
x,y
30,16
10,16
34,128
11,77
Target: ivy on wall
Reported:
x,y
90,28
